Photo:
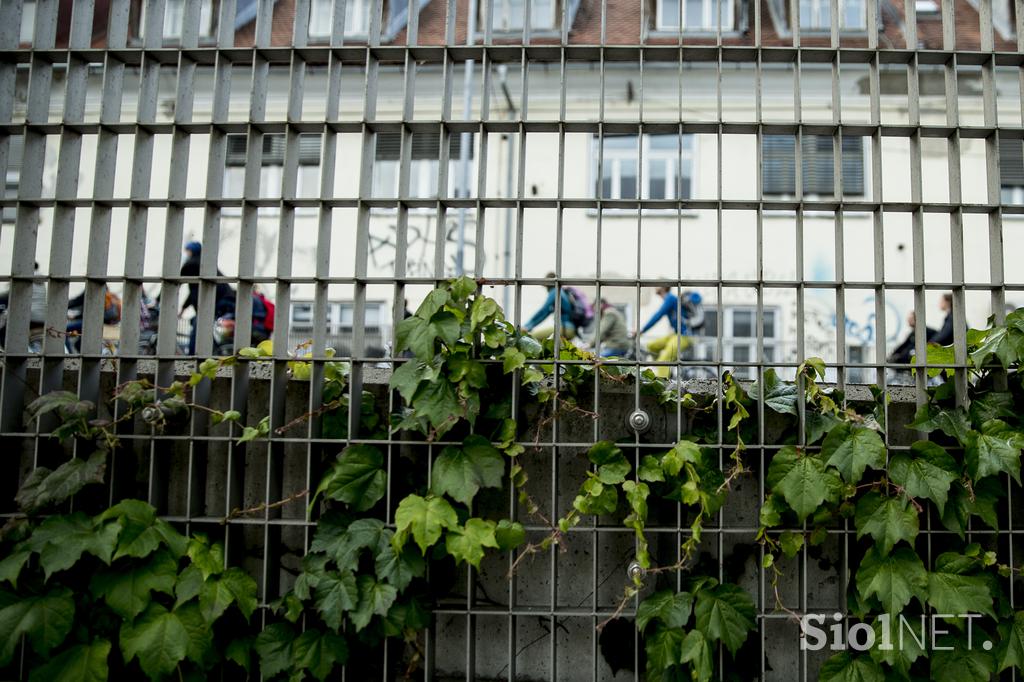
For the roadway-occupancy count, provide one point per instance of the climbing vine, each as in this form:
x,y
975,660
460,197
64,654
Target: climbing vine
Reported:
x,y
121,592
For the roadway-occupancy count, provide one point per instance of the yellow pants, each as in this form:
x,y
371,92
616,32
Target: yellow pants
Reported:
x,y
541,333
668,349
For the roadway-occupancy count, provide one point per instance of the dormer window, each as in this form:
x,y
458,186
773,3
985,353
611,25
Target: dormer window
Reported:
x,y
700,16
816,15
507,15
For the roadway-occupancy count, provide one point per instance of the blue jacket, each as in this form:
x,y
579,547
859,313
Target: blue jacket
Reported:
x,y
669,308
549,307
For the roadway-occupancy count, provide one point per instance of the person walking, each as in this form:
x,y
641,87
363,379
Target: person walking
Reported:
x,y
903,352
225,301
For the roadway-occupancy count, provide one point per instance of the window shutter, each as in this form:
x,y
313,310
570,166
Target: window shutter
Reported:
x,y
15,151
425,146
1011,162
853,166
274,145
778,164
819,174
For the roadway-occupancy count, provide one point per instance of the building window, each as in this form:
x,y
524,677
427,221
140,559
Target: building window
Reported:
x,y
507,15
696,15
739,336
1011,171
15,150
339,324
424,164
778,168
272,167
174,18
816,15
357,17
667,166
28,22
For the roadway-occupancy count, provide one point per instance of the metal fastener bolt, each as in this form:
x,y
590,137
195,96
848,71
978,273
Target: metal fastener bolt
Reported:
x,y
635,571
639,421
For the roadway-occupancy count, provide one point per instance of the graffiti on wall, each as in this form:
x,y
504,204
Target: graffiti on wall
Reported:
x,y
421,246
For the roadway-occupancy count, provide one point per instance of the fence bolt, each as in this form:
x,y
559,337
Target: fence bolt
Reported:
x,y
639,421
635,571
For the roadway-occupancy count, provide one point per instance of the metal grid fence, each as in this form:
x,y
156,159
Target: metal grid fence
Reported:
x,y
120,138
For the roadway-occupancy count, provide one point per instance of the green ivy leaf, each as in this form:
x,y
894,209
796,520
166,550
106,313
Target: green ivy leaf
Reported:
x,y
408,376
682,452
336,592
952,422
664,647
894,579
954,661
951,591
905,649
433,302
886,519
411,615
127,589
846,668
467,543
80,663
374,599
356,478
399,566
928,474
43,487
650,470
725,613
274,647
999,341
234,586
206,557
803,481
1010,651
995,405
419,335
45,619
670,607
995,450
697,652
467,371
158,639
483,309
960,506
438,402
239,652
791,543
61,541
852,449
462,471
11,565
512,359
200,635
424,518
509,534
318,652
776,394
359,535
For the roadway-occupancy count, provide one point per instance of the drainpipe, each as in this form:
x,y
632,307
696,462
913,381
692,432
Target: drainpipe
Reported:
x,y
467,110
509,187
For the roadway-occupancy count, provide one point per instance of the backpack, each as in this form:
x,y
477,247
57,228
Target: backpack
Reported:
x,y
581,313
693,310
268,318
111,308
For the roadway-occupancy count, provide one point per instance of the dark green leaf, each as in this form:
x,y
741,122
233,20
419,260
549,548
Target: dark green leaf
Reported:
x,y
803,481
852,449
726,613
80,663
11,565
894,579
419,335
951,591
960,506
509,534
952,422
234,586
954,661
461,472
274,647
408,376
61,540
776,394
670,607
43,487
374,599
336,593
846,668
158,639
356,478
886,519
664,648
995,450
1010,651
399,566
996,405
127,589
45,619
697,652
928,474
318,652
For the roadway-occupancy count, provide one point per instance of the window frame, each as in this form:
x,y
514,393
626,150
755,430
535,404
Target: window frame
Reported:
x,y
207,21
817,10
678,23
684,155
707,345
307,181
817,196
362,31
484,20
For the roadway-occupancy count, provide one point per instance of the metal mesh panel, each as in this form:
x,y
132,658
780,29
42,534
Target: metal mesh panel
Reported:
x,y
344,157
